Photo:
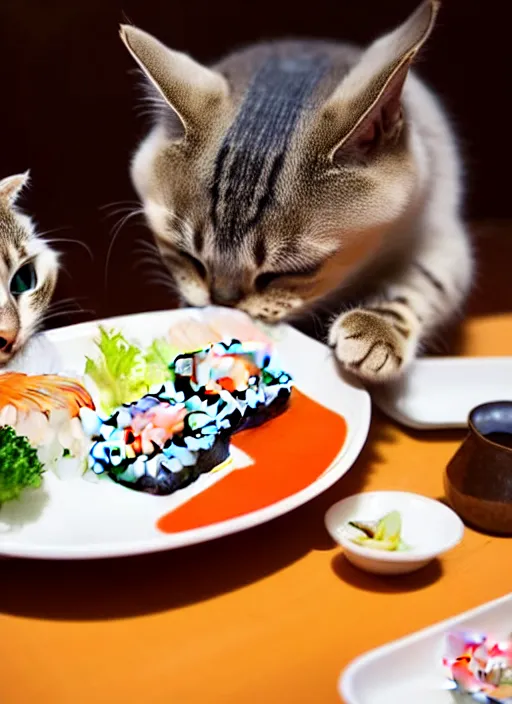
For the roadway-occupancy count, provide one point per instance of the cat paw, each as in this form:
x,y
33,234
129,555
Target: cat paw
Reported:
x,y
374,343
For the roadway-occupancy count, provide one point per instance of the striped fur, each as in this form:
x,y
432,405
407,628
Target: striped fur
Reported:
x,y
307,179
252,153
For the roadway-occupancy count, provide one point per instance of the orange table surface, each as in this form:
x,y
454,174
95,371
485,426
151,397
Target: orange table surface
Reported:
x,y
269,615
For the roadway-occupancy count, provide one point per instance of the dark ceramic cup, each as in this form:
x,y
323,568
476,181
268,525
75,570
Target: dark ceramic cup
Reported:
x,y
478,479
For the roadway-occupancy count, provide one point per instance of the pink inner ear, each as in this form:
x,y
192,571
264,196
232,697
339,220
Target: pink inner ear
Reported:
x,y
368,135
381,122
391,107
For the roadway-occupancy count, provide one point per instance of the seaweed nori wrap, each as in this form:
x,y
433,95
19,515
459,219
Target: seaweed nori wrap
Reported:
x,y
166,439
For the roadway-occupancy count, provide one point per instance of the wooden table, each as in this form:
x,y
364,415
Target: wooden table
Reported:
x,y
269,615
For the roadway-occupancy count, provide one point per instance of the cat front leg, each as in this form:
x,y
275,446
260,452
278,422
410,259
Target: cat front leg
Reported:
x,y
380,338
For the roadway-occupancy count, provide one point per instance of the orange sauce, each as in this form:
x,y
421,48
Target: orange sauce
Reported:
x,y
289,453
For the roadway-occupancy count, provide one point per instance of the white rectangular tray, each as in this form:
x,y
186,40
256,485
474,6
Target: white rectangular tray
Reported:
x,y
410,670
439,392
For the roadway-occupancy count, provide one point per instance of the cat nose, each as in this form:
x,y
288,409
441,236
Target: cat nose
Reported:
x,y
7,340
226,296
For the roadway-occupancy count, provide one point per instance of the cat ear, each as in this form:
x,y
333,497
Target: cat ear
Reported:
x,y
192,90
11,187
365,109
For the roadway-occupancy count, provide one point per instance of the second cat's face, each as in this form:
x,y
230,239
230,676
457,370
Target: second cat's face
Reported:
x,y
28,273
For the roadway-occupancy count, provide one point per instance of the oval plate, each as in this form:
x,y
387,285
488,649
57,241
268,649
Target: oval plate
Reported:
x,y
79,519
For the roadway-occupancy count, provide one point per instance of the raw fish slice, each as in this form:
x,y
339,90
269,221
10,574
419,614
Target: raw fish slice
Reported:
x,y
211,325
235,324
192,334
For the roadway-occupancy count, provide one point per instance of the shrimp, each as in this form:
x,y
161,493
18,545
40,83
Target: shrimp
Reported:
x,y
43,393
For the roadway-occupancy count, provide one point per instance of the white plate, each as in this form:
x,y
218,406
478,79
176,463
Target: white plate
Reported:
x,y
79,519
440,392
410,670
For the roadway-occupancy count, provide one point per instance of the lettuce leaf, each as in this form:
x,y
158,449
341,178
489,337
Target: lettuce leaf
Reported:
x,y
123,372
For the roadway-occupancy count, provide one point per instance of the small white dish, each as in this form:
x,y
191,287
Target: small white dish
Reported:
x,y
429,528
439,392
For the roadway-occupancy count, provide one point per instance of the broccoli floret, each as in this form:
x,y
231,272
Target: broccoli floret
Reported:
x,y
19,465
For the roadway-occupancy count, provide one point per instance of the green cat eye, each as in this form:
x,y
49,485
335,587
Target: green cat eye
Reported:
x,y
25,279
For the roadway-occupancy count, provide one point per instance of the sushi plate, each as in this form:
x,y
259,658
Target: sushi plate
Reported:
x,y
75,518
440,392
411,669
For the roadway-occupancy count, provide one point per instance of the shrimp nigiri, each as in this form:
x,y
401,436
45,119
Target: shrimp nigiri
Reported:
x,y
45,410
44,393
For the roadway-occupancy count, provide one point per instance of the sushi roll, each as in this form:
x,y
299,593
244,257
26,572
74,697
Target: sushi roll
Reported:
x,y
45,409
182,428
249,371
158,445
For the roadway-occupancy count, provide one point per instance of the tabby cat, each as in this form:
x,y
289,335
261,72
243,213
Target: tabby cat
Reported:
x,y
28,271
304,176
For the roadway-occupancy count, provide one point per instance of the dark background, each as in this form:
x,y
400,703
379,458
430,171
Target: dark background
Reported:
x,y
69,111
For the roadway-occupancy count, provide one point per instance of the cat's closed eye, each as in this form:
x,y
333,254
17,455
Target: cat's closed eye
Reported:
x,y
264,280
24,279
196,263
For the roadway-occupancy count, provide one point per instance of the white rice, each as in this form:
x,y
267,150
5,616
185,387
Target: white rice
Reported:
x,y
53,436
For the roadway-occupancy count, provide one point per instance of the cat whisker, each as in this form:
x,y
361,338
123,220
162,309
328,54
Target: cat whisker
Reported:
x,y
145,110
147,113
161,281
149,251
79,243
161,277
124,210
65,302
118,202
115,233
122,222
122,207
161,274
64,306
145,245
53,230
60,314
70,308
147,98
149,258
64,270
152,108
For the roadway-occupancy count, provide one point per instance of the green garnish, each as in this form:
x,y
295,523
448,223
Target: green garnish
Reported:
x,y
20,467
383,535
160,355
66,452
123,372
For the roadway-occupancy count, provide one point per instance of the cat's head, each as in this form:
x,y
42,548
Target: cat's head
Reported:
x,y
269,180
28,271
